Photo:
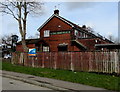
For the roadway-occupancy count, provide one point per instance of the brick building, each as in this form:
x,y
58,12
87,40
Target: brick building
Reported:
x,y
59,34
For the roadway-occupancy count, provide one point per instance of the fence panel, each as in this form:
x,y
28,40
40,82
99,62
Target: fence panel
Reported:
x,y
39,59
106,62
76,61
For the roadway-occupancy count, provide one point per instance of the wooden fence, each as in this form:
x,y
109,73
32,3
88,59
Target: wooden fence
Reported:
x,y
106,62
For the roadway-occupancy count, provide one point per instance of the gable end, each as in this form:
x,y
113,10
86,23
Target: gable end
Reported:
x,y
51,18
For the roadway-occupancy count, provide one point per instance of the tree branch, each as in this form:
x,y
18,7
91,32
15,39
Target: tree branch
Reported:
x,y
10,11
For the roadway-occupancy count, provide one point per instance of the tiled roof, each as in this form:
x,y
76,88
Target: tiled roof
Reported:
x,y
30,41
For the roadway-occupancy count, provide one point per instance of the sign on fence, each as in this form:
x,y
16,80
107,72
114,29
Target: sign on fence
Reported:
x,y
32,52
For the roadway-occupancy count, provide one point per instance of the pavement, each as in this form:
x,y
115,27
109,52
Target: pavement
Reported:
x,y
11,84
54,84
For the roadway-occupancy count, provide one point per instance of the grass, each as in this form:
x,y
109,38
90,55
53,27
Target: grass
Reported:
x,y
92,79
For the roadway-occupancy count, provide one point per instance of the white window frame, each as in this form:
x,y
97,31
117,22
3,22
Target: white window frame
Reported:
x,y
46,49
76,33
84,35
8,46
46,33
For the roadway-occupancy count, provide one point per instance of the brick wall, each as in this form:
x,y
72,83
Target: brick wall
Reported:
x,y
20,48
53,24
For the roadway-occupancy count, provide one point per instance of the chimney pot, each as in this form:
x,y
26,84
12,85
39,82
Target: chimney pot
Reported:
x,y
84,26
56,12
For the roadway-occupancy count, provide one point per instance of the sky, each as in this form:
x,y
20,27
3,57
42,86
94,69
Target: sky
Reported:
x,y
101,16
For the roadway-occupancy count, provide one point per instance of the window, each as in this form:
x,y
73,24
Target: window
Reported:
x,y
102,49
76,33
45,49
84,35
8,46
46,33
96,41
62,48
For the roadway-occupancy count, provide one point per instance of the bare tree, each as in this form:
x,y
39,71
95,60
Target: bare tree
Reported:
x,y
30,37
116,40
36,36
113,38
110,37
6,39
20,9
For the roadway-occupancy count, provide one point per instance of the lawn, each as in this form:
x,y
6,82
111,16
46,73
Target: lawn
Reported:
x,y
98,80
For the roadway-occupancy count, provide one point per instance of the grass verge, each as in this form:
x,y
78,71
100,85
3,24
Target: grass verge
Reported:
x,y
92,79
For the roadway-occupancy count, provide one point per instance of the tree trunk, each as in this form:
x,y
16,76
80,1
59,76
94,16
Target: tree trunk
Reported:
x,y
25,48
22,28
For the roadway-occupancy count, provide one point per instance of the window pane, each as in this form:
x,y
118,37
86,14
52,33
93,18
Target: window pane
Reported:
x,y
46,33
45,49
76,33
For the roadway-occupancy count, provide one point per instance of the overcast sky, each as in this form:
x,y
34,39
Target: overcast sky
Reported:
x,y
101,16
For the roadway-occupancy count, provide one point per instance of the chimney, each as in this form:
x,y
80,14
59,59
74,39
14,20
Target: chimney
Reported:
x,y
56,12
84,26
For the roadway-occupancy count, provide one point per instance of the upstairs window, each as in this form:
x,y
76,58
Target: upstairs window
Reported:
x,y
76,33
83,35
46,33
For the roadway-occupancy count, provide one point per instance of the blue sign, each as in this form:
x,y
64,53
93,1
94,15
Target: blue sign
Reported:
x,y
32,52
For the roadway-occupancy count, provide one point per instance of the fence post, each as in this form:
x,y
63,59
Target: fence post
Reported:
x,y
90,61
55,60
33,65
43,60
96,65
72,66
116,62
13,58
21,59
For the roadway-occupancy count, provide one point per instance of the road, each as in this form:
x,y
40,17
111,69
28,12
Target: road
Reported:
x,y
11,84
54,84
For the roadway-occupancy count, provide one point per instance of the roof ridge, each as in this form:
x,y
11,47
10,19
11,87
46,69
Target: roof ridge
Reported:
x,y
54,15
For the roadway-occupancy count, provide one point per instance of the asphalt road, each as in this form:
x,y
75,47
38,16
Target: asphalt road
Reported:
x,y
11,84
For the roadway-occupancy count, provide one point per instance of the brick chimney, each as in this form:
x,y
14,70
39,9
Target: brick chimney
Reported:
x,y
56,12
